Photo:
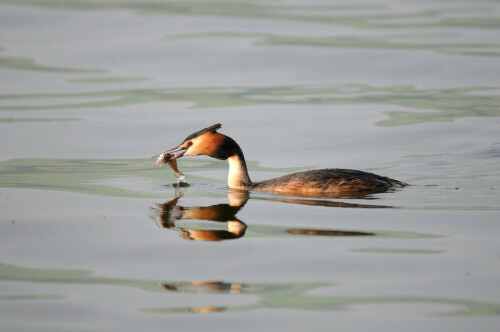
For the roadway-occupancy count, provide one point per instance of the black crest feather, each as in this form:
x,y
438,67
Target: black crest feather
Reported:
x,y
212,128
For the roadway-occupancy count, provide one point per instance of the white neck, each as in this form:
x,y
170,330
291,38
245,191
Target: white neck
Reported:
x,y
238,174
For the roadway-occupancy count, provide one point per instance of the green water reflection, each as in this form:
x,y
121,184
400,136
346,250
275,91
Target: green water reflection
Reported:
x,y
430,105
271,295
354,15
114,177
115,79
398,251
30,64
390,42
22,120
24,297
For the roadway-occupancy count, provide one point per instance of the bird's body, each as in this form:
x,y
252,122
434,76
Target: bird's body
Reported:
x,y
327,181
321,182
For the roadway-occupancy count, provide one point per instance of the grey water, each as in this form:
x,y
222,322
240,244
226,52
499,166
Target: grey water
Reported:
x,y
94,236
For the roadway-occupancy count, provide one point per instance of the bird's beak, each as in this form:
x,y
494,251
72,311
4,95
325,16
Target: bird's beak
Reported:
x,y
177,149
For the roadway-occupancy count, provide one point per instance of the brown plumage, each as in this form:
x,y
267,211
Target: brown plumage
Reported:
x,y
331,181
322,182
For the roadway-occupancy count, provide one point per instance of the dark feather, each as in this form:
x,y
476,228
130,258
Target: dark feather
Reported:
x,y
212,128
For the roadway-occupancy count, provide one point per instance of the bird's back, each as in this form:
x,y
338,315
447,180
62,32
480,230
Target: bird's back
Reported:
x,y
332,181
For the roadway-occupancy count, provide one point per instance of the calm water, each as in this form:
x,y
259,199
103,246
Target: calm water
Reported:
x,y
95,237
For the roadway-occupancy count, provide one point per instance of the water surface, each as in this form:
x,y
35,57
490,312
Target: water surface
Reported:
x,y
94,236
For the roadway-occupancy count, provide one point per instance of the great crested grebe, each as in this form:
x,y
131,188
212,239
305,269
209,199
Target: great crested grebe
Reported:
x,y
321,182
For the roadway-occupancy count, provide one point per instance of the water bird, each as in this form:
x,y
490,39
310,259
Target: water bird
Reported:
x,y
320,182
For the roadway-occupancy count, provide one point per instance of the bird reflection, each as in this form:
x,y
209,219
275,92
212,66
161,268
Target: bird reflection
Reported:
x,y
327,203
205,287
169,214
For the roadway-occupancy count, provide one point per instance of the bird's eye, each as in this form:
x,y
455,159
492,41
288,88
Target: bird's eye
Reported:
x,y
190,143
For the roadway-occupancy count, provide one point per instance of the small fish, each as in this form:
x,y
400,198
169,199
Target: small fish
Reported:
x,y
167,159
